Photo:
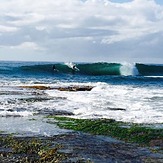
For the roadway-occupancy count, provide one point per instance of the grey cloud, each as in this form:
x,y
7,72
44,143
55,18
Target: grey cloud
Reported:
x,y
103,22
18,37
11,18
86,30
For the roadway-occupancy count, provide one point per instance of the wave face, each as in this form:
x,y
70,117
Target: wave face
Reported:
x,y
150,70
94,69
100,68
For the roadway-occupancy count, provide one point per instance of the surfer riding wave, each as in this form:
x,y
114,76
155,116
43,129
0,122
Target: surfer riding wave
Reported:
x,y
72,66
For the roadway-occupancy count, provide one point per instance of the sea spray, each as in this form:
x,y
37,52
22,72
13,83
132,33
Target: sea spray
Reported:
x,y
128,69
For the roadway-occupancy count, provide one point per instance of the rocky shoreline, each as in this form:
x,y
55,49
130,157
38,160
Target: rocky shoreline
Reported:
x,y
104,149
79,146
73,147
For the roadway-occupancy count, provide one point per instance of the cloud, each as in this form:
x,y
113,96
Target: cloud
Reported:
x,y
27,45
82,29
7,29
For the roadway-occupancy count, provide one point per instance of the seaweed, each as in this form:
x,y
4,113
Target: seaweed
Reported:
x,y
30,149
135,133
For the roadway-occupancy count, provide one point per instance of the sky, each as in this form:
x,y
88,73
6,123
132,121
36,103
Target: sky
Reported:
x,y
82,30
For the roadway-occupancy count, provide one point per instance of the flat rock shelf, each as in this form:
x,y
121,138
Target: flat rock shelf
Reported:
x,y
73,147
69,88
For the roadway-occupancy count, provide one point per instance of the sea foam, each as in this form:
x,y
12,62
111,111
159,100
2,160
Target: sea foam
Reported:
x,y
129,69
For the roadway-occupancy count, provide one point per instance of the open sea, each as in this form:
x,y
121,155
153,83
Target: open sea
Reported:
x,y
121,91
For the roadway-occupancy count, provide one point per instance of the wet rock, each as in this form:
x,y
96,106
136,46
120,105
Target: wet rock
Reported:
x,y
40,87
69,88
10,110
61,112
75,88
35,99
55,112
117,109
14,116
157,142
95,149
75,147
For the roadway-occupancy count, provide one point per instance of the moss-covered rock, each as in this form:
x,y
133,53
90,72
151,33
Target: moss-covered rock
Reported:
x,y
124,131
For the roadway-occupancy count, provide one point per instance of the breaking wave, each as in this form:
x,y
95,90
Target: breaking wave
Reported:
x,y
128,69
94,69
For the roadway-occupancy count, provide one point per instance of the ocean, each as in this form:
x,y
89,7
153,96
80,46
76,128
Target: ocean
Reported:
x,y
128,92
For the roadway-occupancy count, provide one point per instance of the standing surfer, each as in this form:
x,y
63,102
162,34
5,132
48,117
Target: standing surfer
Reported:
x,y
54,67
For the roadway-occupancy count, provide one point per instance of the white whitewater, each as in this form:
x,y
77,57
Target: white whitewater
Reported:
x,y
128,69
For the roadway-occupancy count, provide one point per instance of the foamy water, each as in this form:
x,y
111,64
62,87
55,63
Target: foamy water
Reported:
x,y
121,102
124,103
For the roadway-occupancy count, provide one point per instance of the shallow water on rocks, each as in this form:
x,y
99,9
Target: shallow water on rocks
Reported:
x,y
24,126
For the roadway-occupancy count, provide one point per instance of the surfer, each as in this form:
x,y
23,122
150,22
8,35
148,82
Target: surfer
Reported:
x,y
54,68
73,69
72,66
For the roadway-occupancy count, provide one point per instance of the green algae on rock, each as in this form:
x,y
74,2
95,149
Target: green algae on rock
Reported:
x,y
129,132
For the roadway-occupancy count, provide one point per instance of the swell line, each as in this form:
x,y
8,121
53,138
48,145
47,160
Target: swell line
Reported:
x,y
99,68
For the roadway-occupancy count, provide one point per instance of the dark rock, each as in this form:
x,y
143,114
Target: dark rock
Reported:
x,y
55,112
10,110
95,149
75,88
117,109
70,88
60,112
157,142
79,147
